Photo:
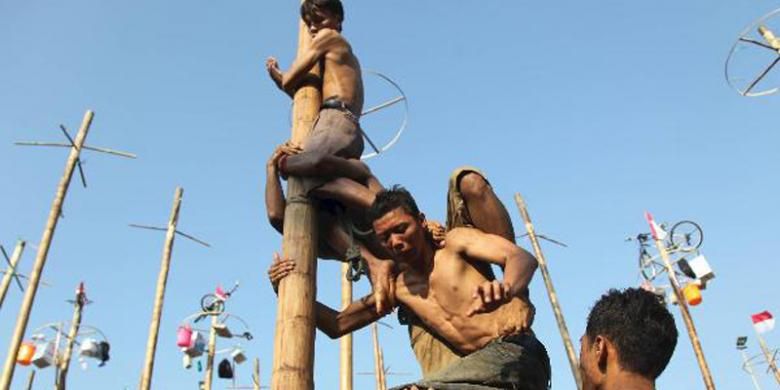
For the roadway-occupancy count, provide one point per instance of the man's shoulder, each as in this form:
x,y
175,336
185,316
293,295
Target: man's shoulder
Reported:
x,y
461,233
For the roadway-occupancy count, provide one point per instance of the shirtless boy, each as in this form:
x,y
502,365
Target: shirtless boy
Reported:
x,y
487,321
336,136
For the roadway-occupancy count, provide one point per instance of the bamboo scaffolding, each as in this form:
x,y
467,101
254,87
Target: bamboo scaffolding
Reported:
x,y
43,250
30,380
556,306
293,362
683,304
769,359
6,282
749,369
75,324
345,343
256,375
379,362
209,378
162,281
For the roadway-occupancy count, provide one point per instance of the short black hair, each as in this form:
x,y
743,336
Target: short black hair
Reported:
x,y
389,200
639,325
332,6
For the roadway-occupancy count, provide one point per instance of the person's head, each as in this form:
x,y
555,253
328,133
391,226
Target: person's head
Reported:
x,y
628,331
398,223
319,14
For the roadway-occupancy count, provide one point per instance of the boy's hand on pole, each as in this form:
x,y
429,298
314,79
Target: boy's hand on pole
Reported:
x,y
278,270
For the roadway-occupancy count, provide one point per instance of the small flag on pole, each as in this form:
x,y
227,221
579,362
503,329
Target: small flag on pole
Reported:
x,y
763,322
655,229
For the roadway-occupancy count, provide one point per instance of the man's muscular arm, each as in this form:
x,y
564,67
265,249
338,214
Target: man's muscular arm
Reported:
x,y
289,81
331,322
519,266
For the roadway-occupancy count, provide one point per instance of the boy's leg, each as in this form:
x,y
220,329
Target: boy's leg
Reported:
x,y
321,164
472,202
332,150
350,193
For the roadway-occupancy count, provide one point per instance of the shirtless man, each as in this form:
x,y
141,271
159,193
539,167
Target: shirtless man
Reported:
x,y
487,321
629,340
336,139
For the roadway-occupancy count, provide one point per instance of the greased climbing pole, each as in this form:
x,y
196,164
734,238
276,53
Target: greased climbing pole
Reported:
x,y
294,339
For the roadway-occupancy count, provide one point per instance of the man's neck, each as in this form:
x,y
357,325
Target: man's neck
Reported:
x,y
624,380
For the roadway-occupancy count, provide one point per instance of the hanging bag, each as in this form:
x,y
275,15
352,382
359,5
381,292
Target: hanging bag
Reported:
x,y
225,370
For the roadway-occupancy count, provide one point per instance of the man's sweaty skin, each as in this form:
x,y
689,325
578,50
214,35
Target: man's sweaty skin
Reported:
x,y
440,286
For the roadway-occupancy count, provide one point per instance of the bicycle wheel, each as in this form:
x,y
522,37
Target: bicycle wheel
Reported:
x,y
646,267
211,304
686,236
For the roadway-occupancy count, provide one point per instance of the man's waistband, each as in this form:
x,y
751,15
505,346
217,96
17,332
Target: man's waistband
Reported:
x,y
337,104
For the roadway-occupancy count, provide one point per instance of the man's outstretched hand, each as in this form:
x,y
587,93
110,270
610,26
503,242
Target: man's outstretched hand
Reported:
x,y
488,296
278,270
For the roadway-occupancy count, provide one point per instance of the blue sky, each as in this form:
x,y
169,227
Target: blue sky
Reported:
x,y
594,111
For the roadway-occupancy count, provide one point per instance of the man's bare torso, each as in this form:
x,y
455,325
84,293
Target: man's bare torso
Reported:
x,y
342,77
442,299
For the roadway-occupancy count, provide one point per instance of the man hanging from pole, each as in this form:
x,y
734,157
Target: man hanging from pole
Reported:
x,y
486,321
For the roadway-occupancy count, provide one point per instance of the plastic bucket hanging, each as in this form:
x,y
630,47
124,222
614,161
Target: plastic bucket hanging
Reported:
x,y
26,353
184,336
197,345
90,348
692,294
44,355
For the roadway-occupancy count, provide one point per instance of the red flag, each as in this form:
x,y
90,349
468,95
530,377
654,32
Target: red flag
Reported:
x,y
763,322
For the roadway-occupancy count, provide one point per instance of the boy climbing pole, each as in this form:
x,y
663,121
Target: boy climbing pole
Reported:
x,y
335,143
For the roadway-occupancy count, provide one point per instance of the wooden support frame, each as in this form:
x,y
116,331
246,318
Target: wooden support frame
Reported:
x,y
162,281
6,282
75,325
556,306
43,251
293,362
683,304
345,342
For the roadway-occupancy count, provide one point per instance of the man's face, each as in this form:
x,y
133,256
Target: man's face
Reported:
x,y
589,370
320,19
401,234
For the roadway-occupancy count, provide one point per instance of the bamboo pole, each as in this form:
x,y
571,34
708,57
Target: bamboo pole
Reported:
x,y
256,375
686,314
556,306
43,251
30,380
379,363
345,355
293,362
162,280
75,324
769,359
6,282
210,353
749,369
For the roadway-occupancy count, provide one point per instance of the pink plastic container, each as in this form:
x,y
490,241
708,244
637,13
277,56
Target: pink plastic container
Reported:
x,y
183,336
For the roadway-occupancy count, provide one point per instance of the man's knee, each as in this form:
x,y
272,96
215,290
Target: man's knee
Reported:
x,y
473,186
